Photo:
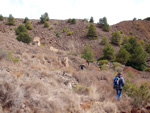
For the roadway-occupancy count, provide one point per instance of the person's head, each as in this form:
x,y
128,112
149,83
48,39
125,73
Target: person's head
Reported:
x,y
119,73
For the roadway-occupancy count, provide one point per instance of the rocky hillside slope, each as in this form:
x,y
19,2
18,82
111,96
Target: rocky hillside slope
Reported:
x,y
37,79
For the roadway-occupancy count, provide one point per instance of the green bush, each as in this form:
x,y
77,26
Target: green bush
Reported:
x,y
28,25
57,33
26,19
52,27
87,27
125,39
116,38
65,29
108,52
11,28
104,67
70,33
46,24
139,94
104,40
44,17
73,21
21,29
55,23
1,18
11,20
101,62
85,19
118,69
24,37
92,34
116,64
121,31
147,69
131,33
87,53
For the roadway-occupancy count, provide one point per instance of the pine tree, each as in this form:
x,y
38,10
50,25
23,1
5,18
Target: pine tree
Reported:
x,y
91,20
104,40
44,17
11,20
108,52
1,18
116,38
26,19
87,53
92,32
103,24
122,55
21,29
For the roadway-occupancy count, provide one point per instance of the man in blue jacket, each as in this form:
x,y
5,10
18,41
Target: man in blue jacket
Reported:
x,y
118,84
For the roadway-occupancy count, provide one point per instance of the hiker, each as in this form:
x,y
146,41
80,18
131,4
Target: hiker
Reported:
x,y
88,62
100,67
118,84
82,66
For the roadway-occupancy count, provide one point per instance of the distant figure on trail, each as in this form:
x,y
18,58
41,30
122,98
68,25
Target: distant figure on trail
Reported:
x,y
88,62
82,66
118,84
100,67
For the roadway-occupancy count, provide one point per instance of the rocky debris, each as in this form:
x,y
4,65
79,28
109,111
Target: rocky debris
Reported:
x,y
37,40
64,61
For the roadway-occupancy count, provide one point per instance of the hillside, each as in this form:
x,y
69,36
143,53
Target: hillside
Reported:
x,y
37,79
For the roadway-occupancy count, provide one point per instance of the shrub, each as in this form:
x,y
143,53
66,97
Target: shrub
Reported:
x,y
28,25
55,23
142,43
91,20
70,33
26,19
125,39
116,64
92,34
12,58
57,33
11,20
69,20
51,28
73,21
118,69
104,40
87,53
147,69
24,37
21,29
148,18
103,24
11,28
122,55
121,31
1,18
65,29
130,74
108,52
139,94
104,67
116,38
101,62
44,17
3,54
46,24
87,27
131,33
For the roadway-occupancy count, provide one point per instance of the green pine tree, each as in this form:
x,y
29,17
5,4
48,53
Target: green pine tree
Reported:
x,y
122,55
108,52
116,38
28,25
87,53
92,32
104,40
91,20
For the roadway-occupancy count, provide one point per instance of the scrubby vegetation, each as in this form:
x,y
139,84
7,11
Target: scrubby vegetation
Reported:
x,y
28,25
11,20
103,24
91,20
87,53
26,19
92,34
108,52
104,40
72,21
1,17
24,37
21,29
44,17
46,24
116,38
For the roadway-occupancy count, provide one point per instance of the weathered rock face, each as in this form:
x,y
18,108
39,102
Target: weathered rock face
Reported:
x,y
54,49
37,40
65,61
